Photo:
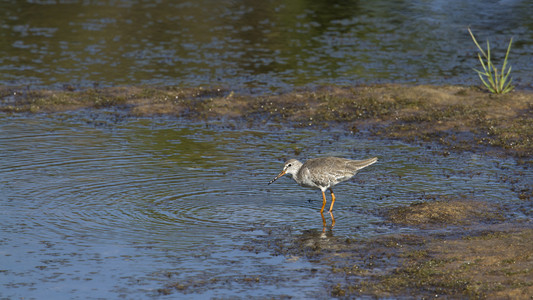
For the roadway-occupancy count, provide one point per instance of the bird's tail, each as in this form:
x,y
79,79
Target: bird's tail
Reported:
x,y
359,164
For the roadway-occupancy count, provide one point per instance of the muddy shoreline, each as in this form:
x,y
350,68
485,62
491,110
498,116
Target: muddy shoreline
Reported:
x,y
488,256
457,117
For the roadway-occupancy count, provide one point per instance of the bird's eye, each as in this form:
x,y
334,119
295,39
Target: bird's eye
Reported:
x,y
289,165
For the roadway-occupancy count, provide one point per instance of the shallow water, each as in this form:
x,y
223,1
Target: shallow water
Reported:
x,y
257,45
111,206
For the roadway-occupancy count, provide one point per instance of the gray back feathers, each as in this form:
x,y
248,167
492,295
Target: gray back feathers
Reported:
x,y
328,171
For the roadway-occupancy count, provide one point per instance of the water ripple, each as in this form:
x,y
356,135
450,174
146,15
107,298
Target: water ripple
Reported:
x,y
156,190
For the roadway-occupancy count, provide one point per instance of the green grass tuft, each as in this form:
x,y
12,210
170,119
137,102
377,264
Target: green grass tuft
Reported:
x,y
497,82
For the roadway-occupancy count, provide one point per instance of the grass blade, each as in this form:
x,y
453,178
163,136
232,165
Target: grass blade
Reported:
x,y
496,81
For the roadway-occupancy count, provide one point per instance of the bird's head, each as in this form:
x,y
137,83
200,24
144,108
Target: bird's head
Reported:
x,y
290,168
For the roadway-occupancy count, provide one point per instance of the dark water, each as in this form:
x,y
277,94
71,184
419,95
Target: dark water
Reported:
x,y
98,205
257,45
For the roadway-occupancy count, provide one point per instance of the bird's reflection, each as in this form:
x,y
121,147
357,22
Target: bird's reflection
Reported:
x,y
324,223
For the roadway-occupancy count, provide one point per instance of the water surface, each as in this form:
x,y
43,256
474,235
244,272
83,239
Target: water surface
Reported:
x,y
257,45
97,204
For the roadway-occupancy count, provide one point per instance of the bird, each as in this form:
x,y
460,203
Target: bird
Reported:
x,y
323,173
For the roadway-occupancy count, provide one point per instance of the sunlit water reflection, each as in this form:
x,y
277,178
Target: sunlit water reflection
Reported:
x,y
257,45
114,206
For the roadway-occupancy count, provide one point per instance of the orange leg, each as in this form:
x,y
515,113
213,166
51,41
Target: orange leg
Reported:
x,y
323,202
332,200
332,219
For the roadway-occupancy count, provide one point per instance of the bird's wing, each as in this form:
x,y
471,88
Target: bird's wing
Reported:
x,y
329,171
359,164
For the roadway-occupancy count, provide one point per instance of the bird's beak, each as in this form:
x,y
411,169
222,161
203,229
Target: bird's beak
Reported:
x,y
279,175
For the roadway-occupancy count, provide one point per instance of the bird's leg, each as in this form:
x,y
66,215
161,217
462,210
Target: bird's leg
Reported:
x,y
323,201
332,219
323,222
332,199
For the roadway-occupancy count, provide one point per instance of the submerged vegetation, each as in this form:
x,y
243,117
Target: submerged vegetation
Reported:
x,y
497,82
